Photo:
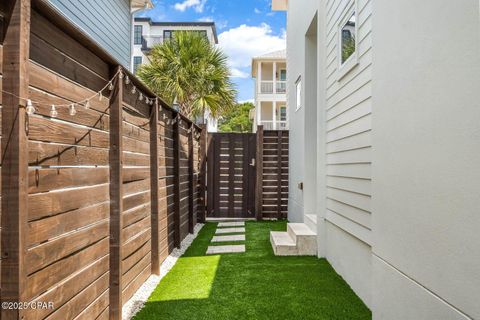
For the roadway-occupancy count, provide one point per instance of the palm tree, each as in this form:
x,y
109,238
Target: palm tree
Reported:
x,y
187,70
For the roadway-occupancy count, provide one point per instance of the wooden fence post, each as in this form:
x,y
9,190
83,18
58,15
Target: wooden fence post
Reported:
x,y
176,179
259,175
155,253
203,174
116,199
15,158
279,175
191,182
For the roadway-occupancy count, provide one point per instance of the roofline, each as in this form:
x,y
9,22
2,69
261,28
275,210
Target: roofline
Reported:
x,y
181,24
145,4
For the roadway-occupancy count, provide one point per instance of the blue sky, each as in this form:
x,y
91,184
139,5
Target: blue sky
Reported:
x,y
246,28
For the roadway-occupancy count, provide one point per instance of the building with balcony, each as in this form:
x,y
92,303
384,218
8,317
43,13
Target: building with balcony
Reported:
x,y
270,73
148,33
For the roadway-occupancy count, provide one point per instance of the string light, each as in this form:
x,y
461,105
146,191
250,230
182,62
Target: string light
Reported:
x,y
72,110
53,112
30,108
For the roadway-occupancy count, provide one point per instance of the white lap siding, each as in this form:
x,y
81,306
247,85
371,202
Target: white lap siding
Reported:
x,y
348,125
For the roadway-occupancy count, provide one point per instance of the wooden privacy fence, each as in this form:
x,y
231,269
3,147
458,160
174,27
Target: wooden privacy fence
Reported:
x,y
92,202
247,175
272,174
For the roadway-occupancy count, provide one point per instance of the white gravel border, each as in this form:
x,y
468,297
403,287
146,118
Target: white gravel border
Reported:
x,y
143,293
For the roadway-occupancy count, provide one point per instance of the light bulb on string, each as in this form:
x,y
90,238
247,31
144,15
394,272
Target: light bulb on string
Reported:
x,y
140,96
120,75
100,96
72,110
134,89
30,108
53,112
87,104
127,80
110,86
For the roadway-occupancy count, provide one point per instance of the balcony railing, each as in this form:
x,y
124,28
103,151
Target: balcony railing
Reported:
x,y
281,86
148,42
267,87
274,125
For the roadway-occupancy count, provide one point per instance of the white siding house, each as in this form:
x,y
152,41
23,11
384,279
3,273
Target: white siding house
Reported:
x,y
108,22
270,73
385,148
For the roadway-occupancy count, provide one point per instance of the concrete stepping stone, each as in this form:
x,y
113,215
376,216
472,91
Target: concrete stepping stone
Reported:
x,y
230,230
236,237
231,224
237,248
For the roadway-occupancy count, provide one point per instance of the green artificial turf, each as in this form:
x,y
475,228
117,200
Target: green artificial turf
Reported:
x,y
251,285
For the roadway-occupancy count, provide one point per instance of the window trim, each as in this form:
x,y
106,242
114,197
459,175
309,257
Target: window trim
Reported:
x,y
135,27
282,106
298,94
352,61
134,69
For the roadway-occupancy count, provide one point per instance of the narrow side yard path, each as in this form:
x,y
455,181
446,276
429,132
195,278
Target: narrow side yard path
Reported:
x,y
254,284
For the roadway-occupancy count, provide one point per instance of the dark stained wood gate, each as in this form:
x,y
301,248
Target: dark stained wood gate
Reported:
x,y
231,175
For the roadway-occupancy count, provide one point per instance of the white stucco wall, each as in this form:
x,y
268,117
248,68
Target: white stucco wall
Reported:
x,y
397,152
330,147
426,137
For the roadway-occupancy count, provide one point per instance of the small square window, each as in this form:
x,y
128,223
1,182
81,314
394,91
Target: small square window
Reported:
x,y
298,93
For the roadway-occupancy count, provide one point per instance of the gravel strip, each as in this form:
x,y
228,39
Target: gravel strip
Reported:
x,y
143,293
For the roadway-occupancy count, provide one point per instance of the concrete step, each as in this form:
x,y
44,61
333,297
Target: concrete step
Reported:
x,y
282,244
311,221
305,239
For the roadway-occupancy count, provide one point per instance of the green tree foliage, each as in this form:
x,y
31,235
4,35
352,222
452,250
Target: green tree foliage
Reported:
x,y
192,73
238,119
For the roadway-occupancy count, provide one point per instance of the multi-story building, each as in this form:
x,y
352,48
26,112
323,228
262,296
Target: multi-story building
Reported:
x,y
270,73
148,33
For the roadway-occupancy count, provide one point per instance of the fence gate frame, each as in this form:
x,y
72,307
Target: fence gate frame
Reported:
x,y
264,175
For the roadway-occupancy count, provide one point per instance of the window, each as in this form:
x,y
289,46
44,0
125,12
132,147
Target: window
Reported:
x,y
283,75
137,62
347,38
167,34
283,113
298,93
137,34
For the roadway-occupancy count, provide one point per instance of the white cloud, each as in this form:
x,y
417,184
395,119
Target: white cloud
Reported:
x,y
237,73
197,5
205,19
248,100
257,11
243,43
